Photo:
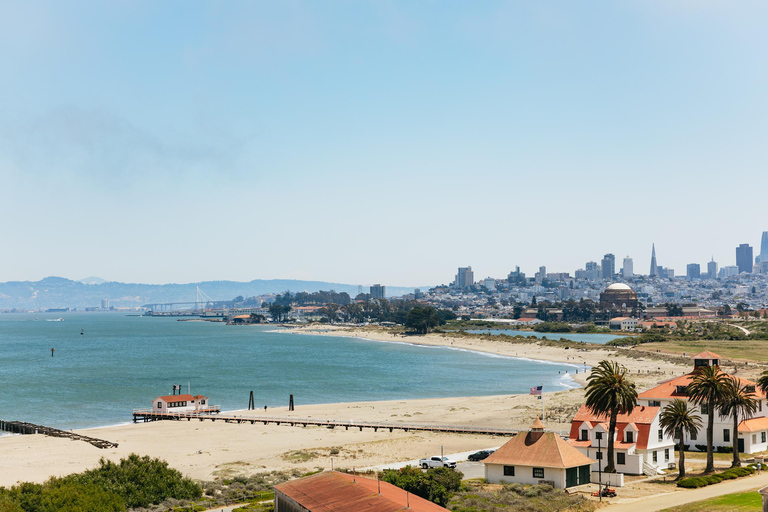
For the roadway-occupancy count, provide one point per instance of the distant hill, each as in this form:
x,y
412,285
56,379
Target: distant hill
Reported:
x,y
59,292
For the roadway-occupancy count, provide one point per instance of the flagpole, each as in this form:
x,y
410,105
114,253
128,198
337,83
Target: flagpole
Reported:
x,y
542,402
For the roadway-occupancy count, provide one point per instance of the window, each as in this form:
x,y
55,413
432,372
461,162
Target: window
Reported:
x,y
754,438
621,458
630,437
655,456
681,390
599,455
509,470
159,405
202,402
760,405
726,435
598,435
694,436
654,403
661,435
704,409
538,472
666,454
750,389
762,436
584,434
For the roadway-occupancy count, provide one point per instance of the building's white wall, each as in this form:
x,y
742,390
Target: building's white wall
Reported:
x,y
494,473
612,479
753,441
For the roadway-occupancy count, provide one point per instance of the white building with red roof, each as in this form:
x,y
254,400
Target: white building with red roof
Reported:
x,y
183,404
537,457
753,432
639,444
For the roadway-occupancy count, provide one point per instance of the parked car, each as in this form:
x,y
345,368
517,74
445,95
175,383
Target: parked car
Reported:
x,y
437,462
482,454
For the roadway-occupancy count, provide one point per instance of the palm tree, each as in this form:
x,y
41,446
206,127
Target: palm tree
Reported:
x,y
707,387
610,392
677,420
737,401
762,382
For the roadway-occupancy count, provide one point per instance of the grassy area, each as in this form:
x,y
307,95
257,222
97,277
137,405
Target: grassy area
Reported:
x,y
737,502
753,350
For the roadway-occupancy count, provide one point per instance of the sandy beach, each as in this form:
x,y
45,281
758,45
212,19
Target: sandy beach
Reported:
x,y
207,450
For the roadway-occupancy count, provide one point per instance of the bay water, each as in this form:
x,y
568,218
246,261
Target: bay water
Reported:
x,y
106,364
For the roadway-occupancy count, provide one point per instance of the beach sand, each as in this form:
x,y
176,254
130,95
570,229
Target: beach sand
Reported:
x,y
207,450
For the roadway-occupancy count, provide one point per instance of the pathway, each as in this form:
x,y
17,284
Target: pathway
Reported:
x,y
676,498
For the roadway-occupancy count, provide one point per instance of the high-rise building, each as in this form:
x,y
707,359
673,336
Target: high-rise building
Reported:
x,y
105,304
465,278
693,271
654,267
728,271
627,269
609,266
539,276
591,265
763,248
378,291
712,269
744,258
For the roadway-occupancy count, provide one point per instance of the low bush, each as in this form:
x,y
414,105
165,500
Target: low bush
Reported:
x,y
725,449
701,481
701,447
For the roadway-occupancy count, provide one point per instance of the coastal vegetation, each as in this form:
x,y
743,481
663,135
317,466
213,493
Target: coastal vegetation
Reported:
x,y
702,481
707,388
477,497
112,487
737,402
610,392
436,484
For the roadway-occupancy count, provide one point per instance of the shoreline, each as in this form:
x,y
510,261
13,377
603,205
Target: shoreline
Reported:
x,y
206,450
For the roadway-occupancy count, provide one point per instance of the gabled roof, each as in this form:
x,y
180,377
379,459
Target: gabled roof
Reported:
x,y
332,491
540,449
754,424
640,418
668,390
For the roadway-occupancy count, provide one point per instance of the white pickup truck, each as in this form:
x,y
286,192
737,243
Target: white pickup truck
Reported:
x,y
437,462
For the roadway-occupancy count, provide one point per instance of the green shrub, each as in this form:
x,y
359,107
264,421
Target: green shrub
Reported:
x,y
701,447
725,449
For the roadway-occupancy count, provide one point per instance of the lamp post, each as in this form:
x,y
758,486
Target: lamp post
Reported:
x,y
600,467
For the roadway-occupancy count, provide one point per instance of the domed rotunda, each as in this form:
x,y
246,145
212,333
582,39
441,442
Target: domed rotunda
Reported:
x,y
618,296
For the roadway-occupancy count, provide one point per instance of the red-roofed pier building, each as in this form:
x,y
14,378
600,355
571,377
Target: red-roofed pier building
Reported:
x,y
753,432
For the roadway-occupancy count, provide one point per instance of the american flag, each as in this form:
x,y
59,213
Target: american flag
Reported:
x,y
537,391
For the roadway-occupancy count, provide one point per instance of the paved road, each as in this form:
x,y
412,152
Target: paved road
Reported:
x,y
674,499
470,469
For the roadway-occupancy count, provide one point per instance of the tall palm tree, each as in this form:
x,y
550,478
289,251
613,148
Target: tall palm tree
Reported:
x,y
610,392
707,388
677,420
735,402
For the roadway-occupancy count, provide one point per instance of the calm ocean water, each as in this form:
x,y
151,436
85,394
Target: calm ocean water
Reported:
x,y
600,339
121,363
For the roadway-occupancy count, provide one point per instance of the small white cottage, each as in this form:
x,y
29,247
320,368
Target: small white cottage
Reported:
x,y
538,457
181,403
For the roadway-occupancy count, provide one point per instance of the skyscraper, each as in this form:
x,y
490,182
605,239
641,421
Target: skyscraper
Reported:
x,y
609,266
764,247
744,258
465,278
654,267
693,271
712,269
378,291
627,269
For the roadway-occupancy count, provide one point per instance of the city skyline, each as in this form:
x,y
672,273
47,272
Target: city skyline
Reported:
x,y
169,143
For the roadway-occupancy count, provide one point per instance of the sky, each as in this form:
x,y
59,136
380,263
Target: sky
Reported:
x,y
379,141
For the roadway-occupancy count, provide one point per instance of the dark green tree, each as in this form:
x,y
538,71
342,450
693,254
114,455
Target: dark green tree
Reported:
x,y
610,392
422,319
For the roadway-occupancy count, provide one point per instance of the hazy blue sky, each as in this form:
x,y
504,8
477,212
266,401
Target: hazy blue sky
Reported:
x,y
390,142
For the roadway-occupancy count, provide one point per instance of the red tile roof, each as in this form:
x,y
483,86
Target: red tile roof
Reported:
x,y
640,418
332,491
540,449
668,390
706,355
179,398
753,424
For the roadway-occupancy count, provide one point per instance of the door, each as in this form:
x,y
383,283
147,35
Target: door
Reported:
x,y
571,477
741,445
585,474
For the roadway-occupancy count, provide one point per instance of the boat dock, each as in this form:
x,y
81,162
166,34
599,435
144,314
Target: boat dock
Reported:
x,y
145,415
21,427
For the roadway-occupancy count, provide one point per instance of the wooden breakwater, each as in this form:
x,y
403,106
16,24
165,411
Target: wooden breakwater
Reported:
x,y
22,427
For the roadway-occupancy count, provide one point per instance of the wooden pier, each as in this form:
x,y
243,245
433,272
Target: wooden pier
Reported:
x,y
21,427
145,415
